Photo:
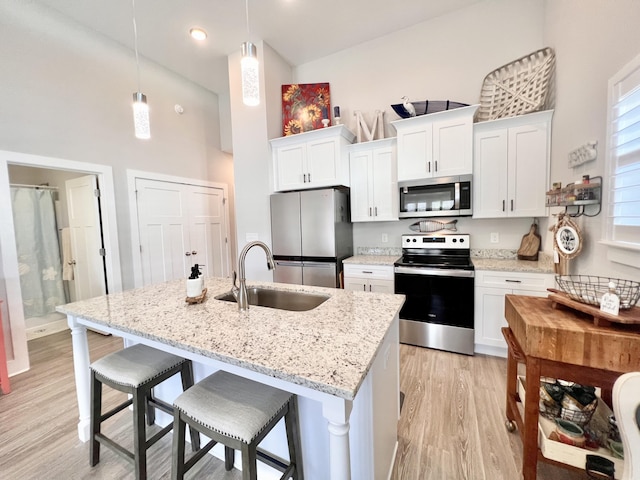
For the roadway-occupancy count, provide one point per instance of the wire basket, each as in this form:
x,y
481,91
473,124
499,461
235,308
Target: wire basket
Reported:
x,y
519,87
589,289
579,417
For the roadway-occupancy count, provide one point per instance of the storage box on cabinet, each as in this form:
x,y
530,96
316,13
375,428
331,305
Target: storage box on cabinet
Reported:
x,y
314,159
511,166
490,289
374,188
369,278
436,145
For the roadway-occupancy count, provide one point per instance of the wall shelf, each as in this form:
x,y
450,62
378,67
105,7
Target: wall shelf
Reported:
x,y
578,198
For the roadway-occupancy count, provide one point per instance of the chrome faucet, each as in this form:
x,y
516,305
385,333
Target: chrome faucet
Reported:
x,y
241,292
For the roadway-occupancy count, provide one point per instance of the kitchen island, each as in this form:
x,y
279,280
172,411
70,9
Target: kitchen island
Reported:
x,y
341,359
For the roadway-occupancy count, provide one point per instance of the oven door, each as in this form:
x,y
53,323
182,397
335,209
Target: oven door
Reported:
x,y
433,295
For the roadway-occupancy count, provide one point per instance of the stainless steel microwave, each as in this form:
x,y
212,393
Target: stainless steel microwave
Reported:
x,y
436,197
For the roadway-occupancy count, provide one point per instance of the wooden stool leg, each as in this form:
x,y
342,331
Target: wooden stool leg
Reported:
x,y
293,437
186,375
149,408
177,463
139,433
96,413
249,468
229,458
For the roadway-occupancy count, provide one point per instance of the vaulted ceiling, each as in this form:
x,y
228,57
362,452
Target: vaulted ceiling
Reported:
x,y
299,30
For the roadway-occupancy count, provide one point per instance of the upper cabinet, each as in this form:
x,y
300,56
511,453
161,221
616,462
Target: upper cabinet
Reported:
x,y
435,145
511,166
318,158
374,188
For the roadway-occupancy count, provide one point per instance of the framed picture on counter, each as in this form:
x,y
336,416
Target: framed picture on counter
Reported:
x,y
304,106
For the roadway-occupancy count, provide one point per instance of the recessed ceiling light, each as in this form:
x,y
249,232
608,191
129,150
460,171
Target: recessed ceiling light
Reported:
x,y
198,33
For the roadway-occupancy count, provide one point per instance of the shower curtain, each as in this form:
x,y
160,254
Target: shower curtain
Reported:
x,y
39,262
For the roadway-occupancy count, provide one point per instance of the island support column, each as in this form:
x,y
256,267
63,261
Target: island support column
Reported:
x,y
337,412
82,375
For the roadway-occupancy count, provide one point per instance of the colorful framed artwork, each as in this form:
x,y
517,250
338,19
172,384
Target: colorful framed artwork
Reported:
x,y
304,106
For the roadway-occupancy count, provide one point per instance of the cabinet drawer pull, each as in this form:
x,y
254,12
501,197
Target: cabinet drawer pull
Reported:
x,y
513,281
366,271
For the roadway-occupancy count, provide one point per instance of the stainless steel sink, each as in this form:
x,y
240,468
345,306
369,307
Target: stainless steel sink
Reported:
x,y
280,299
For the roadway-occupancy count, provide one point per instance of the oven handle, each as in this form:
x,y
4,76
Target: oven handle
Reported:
x,y
438,272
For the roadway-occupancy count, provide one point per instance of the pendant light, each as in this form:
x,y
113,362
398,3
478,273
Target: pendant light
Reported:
x,y
140,106
249,69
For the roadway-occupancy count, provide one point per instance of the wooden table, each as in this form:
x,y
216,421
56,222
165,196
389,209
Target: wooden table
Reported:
x,y
561,344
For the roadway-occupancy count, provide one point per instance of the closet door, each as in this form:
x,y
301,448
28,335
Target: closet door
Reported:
x,y
180,225
163,224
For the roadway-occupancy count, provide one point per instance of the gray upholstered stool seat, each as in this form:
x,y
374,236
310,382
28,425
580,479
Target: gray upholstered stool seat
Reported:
x,y
135,370
238,413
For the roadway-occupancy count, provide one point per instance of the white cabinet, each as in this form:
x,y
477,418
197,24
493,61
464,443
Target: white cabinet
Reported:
x,y
490,289
374,188
511,166
369,278
435,145
318,158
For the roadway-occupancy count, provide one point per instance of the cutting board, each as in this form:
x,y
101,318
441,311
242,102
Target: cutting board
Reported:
x,y
530,245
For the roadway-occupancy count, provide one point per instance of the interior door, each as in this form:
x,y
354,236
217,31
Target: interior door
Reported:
x,y
181,225
207,231
86,237
163,225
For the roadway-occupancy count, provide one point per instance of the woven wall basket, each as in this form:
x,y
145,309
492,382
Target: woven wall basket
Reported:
x,y
522,86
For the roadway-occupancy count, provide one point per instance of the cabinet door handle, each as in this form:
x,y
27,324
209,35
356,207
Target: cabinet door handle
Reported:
x,y
429,167
376,210
304,178
370,212
188,254
513,281
436,169
309,177
369,287
503,205
512,204
364,287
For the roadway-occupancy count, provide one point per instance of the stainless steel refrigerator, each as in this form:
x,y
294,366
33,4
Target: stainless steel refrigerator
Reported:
x,y
311,233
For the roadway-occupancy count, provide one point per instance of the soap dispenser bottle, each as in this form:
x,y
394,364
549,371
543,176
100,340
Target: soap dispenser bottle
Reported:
x,y
194,282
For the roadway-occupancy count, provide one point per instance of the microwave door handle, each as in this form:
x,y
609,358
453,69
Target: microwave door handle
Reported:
x,y
456,193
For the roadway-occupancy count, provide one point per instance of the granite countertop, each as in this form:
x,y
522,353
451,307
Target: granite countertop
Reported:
x,y
507,261
329,348
371,260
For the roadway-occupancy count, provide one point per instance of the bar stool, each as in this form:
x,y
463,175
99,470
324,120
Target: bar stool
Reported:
x,y
135,370
238,413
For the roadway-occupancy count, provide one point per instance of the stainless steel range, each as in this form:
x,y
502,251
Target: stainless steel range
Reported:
x,y
436,275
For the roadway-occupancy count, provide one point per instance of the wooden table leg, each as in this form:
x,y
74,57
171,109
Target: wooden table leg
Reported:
x,y
529,433
512,383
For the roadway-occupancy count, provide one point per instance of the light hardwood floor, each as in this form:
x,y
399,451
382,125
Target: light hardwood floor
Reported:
x,y
451,427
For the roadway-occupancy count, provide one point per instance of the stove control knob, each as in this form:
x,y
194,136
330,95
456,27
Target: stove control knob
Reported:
x,y
415,240
462,240
455,240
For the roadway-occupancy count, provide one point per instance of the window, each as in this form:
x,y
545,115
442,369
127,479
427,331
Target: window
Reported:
x,y
623,160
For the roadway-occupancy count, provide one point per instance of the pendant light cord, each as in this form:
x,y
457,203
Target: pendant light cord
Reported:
x,y
246,10
135,42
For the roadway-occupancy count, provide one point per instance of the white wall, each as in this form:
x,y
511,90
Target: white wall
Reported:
x,y
66,93
445,58
593,40
252,127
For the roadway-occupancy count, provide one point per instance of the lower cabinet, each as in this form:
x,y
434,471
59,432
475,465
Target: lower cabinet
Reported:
x,y
490,289
369,278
